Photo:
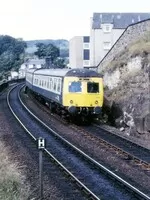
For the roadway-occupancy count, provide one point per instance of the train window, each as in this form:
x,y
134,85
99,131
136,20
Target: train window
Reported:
x,y
55,83
58,86
92,87
50,84
75,86
47,84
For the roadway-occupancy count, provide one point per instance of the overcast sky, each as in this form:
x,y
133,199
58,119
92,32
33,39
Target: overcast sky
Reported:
x,y
58,19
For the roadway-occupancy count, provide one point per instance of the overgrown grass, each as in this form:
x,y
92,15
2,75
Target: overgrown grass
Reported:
x,y
12,185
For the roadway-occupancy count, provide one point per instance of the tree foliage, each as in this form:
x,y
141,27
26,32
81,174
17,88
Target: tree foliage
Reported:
x,y
11,53
59,62
63,46
47,51
51,52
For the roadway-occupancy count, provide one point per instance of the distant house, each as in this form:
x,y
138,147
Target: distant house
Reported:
x,y
106,28
34,63
31,63
22,71
79,52
14,75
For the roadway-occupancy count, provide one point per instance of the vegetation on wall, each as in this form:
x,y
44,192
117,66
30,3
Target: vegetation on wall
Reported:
x,y
140,47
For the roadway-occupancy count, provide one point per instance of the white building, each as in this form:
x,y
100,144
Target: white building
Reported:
x,y
31,63
22,71
105,30
14,75
79,52
34,63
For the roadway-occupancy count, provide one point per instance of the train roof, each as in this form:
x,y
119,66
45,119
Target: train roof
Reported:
x,y
83,73
67,72
52,72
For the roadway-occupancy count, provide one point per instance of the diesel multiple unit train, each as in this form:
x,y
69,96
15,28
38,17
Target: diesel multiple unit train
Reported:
x,y
71,92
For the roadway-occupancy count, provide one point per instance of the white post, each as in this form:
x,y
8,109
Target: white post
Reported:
x,y
41,146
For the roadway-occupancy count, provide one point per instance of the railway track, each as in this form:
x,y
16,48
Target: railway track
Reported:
x,y
123,146
130,150
89,174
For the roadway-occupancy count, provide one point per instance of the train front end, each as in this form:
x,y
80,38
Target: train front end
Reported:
x,y
83,95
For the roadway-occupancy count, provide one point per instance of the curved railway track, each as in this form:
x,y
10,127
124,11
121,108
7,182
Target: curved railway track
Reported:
x,y
23,152
90,175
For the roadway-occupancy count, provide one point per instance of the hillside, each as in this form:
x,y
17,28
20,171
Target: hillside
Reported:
x,y
63,45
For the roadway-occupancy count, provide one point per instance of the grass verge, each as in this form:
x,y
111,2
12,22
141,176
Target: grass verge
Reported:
x,y
12,182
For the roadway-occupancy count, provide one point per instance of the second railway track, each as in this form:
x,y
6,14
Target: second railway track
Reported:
x,y
129,149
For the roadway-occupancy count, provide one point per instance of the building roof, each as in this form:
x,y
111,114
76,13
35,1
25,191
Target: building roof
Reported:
x,y
35,62
23,66
119,20
13,73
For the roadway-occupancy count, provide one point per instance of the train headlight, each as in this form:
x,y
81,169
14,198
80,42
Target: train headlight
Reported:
x,y
71,101
96,102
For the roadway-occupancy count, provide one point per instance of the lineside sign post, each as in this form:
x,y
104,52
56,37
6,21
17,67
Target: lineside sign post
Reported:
x,y
41,146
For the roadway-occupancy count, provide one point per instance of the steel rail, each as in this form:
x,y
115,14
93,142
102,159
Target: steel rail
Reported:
x,y
135,158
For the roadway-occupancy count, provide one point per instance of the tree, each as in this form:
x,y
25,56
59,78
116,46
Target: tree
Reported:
x,y
48,50
51,54
11,53
59,63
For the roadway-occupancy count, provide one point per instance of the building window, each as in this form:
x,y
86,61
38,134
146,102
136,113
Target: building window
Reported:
x,y
106,45
86,39
106,28
86,46
86,54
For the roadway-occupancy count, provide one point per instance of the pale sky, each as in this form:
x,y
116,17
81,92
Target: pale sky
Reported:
x,y
58,19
